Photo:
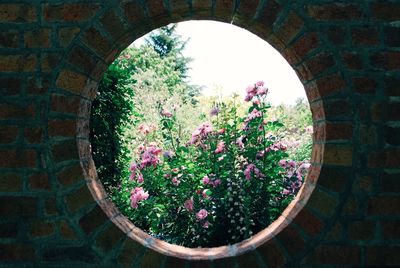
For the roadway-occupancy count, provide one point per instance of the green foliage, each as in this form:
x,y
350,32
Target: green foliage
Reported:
x,y
134,85
225,184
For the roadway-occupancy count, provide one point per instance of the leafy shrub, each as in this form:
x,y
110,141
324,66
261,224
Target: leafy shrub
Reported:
x,y
228,182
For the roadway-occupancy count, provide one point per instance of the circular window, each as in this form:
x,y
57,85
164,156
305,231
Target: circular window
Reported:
x,y
222,177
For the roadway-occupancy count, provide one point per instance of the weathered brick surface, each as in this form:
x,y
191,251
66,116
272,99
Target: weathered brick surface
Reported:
x,y
52,53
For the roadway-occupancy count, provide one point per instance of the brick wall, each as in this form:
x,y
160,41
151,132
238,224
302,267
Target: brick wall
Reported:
x,y
54,212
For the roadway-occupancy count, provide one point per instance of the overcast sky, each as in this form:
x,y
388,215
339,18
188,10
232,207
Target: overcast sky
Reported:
x,y
233,58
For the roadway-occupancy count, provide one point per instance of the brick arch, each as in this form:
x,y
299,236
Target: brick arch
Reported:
x,y
295,229
348,199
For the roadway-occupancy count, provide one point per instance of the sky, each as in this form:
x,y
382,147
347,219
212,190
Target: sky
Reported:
x,y
231,58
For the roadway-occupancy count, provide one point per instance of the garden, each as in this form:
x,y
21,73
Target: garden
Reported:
x,y
193,170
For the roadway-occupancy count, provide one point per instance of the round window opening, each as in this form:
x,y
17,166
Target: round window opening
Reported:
x,y
202,164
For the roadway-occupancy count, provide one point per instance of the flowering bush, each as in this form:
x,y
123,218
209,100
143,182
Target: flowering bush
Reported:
x,y
229,181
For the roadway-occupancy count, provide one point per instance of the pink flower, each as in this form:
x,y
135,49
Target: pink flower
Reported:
x,y
253,115
189,204
220,147
206,180
138,195
166,113
204,193
145,129
201,132
150,157
309,129
133,167
256,102
282,163
239,142
262,91
221,131
260,84
202,214
252,168
216,182
140,178
214,111
206,224
175,181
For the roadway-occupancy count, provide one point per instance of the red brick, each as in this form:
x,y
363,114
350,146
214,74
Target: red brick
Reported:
x,y
50,206
320,63
18,63
65,104
33,134
67,34
9,230
290,238
388,60
338,109
246,8
361,230
365,36
92,220
18,207
82,59
334,179
130,252
271,254
384,205
70,12
112,23
384,255
156,8
311,224
10,86
352,60
17,13
322,203
39,181
330,84
290,28
10,182
50,61
153,259
338,155
65,128
17,252
339,131
10,111
305,44
390,229
11,158
224,9
70,175
337,35
268,15
364,85
135,13
335,255
39,38
41,229
390,182
8,134
392,85
110,237
173,262
66,231
79,198
9,39
336,11
392,36
71,81
38,86
66,150
249,259
97,42
363,184
385,10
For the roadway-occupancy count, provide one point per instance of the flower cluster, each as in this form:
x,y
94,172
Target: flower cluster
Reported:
x,y
137,195
230,179
257,89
